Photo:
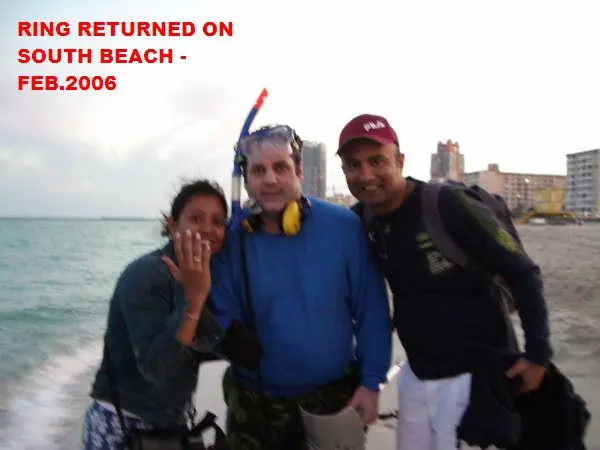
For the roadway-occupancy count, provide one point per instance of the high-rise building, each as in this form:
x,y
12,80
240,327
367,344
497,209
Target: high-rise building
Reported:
x,y
448,163
314,168
519,190
583,183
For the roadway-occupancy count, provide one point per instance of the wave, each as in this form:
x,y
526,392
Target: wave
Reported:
x,y
39,403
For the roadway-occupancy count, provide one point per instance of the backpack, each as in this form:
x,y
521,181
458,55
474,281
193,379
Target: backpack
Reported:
x,y
492,204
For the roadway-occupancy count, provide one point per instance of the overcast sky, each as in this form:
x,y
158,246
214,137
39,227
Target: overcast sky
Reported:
x,y
516,83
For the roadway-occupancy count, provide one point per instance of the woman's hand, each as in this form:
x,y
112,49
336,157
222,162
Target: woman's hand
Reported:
x,y
192,270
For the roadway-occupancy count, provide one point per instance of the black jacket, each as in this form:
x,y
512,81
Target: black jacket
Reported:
x,y
447,318
554,417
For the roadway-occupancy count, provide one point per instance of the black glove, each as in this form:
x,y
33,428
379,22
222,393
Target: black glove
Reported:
x,y
241,345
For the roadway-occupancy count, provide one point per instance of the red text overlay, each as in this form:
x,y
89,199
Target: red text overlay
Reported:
x,y
104,55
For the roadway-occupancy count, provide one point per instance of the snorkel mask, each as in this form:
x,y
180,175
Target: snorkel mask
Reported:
x,y
272,137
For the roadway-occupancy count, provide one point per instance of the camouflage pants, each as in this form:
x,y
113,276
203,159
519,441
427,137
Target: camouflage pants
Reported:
x,y
264,422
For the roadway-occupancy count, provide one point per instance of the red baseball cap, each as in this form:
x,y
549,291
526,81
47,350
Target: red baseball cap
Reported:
x,y
368,126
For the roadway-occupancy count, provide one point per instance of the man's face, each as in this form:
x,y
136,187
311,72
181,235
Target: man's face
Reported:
x,y
273,180
373,171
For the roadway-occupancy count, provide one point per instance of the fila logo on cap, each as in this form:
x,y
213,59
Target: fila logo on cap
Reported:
x,y
368,126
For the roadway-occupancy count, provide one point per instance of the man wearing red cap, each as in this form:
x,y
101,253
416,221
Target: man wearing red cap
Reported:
x,y
448,318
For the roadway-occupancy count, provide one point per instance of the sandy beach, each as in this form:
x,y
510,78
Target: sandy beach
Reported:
x,y
570,260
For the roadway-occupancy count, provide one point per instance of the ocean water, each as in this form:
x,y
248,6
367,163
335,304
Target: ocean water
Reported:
x,y
56,278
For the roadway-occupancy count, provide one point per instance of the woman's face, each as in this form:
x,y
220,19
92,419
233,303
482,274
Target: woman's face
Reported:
x,y
203,214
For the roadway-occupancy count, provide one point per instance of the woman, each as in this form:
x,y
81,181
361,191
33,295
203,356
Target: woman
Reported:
x,y
157,326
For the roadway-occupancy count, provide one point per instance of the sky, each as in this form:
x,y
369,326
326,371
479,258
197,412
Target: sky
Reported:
x,y
515,83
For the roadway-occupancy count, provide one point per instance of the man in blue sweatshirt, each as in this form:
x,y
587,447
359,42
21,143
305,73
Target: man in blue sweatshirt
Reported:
x,y
297,277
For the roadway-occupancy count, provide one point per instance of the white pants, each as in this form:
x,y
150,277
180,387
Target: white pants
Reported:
x,y
430,411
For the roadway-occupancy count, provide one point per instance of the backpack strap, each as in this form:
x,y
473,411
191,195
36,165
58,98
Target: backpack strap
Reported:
x,y
430,202
360,209
438,233
251,318
367,216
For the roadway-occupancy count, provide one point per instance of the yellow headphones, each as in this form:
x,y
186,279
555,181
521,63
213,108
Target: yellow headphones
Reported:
x,y
290,220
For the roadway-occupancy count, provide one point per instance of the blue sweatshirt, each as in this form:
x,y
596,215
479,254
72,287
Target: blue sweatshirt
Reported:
x,y
319,302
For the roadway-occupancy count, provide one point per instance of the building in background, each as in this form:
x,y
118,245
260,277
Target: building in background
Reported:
x,y
447,163
490,179
583,184
314,168
347,200
518,189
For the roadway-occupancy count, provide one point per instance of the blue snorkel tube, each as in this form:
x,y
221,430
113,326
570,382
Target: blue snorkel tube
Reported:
x,y
236,176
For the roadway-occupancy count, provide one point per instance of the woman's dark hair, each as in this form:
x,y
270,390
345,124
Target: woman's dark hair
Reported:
x,y
189,190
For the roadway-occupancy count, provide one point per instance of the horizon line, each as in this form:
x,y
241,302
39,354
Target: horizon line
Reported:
x,y
108,218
